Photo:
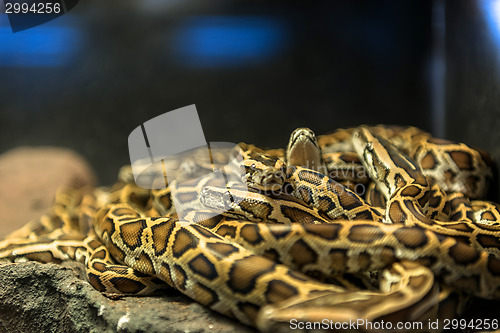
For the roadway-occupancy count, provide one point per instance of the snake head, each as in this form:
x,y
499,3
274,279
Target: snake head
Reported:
x,y
365,143
374,156
385,163
265,173
303,150
259,170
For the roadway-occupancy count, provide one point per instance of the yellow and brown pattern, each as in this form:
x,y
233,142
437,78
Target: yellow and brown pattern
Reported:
x,y
300,244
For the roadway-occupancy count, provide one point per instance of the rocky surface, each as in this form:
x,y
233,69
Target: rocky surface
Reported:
x,y
30,177
38,297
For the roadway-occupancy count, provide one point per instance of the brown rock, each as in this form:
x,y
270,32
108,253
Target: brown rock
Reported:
x,y
30,177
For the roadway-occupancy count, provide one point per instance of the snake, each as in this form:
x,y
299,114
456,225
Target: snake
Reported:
x,y
301,243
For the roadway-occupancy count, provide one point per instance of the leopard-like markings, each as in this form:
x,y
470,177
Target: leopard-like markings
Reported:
x,y
445,255
272,270
453,166
407,190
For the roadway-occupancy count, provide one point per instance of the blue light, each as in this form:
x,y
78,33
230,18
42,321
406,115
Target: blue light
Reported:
x,y
38,47
491,10
229,41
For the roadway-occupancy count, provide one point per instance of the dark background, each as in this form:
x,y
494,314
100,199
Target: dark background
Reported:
x,y
473,76
330,65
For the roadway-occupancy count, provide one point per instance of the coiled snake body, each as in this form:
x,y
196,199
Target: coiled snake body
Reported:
x,y
304,244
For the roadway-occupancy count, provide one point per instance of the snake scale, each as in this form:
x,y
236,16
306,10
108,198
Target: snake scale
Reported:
x,y
380,223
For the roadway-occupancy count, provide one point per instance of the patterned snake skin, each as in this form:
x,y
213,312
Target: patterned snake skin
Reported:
x,y
380,223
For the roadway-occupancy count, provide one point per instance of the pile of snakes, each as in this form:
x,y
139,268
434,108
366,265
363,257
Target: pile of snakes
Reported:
x,y
380,223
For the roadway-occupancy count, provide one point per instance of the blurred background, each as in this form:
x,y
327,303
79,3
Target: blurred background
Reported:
x,y
256,70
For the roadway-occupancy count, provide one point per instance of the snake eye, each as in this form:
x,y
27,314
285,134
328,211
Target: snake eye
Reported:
x,y
253,167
